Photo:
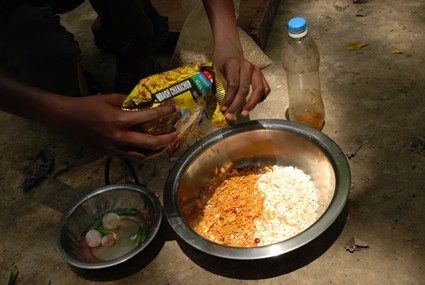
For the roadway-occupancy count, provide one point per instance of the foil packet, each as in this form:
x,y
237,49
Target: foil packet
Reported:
x,y
196,89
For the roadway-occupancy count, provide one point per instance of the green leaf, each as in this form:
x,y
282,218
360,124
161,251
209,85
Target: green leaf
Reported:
x,y
59,169
127,212
13,275
141,235
104,231
97,225
396,51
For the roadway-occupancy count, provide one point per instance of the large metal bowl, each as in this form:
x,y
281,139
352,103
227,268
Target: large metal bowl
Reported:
x,y
75,222
278,142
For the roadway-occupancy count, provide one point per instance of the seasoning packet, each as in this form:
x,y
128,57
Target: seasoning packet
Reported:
x,y
196,89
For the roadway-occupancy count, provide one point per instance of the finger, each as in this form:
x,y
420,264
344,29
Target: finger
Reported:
x,y
115,98
260,91
148,146
135,140
230,83
117,151
151,114
139,153
267,92
241,95
129,154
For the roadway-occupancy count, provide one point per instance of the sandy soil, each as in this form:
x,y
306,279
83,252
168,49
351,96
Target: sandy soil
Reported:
x,y
374,112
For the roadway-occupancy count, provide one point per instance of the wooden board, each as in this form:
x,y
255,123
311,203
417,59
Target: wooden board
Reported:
x,y
255,17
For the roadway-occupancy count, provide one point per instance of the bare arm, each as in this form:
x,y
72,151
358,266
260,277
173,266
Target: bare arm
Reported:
x,y
94,120
24,100
238,74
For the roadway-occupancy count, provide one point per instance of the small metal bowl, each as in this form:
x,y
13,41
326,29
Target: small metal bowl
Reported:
x,y
82,214
279,142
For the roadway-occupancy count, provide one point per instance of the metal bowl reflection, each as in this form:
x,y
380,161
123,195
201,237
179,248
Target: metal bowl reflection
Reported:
x,y
277,142
75,222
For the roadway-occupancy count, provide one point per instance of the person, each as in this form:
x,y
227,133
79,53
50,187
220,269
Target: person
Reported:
x,y
34,77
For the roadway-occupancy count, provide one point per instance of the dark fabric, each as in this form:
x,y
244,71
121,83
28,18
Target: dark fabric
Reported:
x,y
129,26
63,6
57,6
132,30
36,49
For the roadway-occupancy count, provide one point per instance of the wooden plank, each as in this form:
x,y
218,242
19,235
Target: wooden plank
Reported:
x,y
255,17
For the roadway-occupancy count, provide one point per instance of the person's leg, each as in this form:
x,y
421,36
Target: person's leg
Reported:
x,y
36,49
132,30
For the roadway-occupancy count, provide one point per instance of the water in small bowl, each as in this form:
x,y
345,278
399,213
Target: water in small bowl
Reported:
x,y
76,221
132,231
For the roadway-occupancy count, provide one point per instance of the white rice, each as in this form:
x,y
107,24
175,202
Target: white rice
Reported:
x,y
290,204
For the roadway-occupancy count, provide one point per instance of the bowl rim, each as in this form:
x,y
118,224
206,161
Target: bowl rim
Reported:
x,y
106,264
338,161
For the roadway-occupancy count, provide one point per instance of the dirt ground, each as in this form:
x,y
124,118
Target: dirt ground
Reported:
x,y
374,111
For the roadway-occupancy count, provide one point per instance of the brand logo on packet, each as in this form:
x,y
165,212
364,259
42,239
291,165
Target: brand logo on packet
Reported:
x,y
172,91
199,85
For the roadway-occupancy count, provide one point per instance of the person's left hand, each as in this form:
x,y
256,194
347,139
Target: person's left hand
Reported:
x,y
239,77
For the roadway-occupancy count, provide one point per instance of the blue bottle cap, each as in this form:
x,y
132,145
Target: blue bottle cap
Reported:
x,y
297,27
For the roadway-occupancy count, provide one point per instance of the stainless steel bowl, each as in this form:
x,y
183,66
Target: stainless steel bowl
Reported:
x,y
81,215
278,142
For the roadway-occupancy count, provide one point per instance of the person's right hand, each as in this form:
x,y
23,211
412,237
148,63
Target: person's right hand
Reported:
x,y
96,120
244,82
100,122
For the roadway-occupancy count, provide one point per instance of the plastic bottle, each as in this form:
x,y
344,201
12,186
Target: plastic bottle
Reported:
x,y
301,59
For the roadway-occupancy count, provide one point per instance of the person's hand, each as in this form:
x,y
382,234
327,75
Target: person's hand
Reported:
x,y
99,121
239,78
238,75
95,120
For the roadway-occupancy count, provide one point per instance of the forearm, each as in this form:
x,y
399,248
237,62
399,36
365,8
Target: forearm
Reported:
x,y
238,75
97,121
30,102
221,15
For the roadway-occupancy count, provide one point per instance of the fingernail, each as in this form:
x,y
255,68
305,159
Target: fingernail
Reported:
x,y
223,108
229,116
245,113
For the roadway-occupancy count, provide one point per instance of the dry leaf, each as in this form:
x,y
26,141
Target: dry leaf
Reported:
x,y
362,13
355,244
396,51
359,243
356,45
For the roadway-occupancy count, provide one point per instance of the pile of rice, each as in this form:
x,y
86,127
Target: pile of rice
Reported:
x,y
255,205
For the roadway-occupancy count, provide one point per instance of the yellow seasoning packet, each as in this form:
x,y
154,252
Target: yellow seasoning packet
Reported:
x,y
212,109
196,89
